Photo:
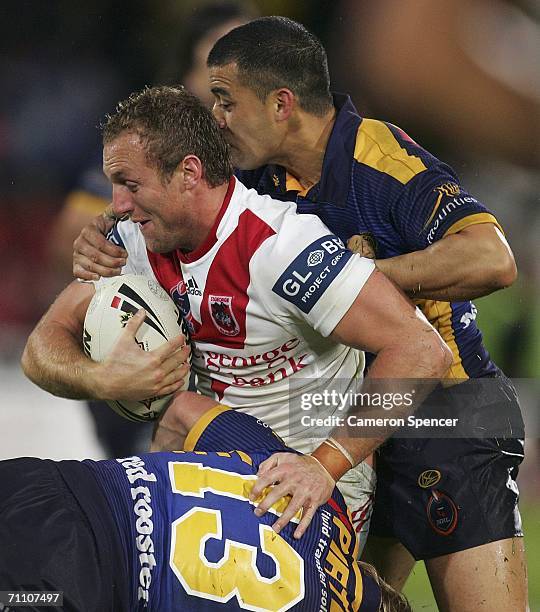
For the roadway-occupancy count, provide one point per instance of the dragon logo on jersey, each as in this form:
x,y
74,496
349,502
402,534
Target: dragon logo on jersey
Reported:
x,y
222,315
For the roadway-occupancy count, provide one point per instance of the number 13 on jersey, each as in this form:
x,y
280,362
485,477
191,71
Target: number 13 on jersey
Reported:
x,y
235,574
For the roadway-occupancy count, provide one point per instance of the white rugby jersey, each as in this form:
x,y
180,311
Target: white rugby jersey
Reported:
x,y
260,297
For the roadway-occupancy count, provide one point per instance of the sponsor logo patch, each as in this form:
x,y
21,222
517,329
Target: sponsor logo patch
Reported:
x,y
429,478
450,198
193,287
442,513
222,314
315,258
306,279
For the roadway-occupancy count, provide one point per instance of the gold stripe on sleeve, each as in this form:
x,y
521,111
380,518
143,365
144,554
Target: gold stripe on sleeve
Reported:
x,y
378,148
475,219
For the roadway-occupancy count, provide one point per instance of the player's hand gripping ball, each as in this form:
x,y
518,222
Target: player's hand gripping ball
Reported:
x,y
113,304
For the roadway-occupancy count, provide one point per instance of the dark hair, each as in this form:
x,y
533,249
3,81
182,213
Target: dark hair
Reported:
x,y
205,18
274,52
172,123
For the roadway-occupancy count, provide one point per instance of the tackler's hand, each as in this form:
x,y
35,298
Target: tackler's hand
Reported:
x,y
93,254
300,477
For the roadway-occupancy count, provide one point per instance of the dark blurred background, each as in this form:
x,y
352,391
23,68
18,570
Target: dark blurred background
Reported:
x,y
461,77
64,65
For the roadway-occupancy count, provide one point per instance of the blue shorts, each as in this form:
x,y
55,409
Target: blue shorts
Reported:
x,y
442,495
48,542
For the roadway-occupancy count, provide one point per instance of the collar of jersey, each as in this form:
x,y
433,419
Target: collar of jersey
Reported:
x,y
211,238
337,164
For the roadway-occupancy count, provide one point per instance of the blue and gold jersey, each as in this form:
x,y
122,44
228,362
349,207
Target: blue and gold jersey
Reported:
x,y
379,184
194,543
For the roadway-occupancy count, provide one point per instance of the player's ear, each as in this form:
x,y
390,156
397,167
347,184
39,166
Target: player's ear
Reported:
x,y
192,169
284,102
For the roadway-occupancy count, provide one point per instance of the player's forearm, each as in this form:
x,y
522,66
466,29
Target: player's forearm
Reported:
x,y
405,374
339,455
53,359
459,267
177,421
167,437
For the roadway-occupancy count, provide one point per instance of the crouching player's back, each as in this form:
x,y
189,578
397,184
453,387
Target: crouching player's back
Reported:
x,y
171,531
195,543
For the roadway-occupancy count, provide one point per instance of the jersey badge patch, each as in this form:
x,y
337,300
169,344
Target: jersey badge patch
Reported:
x,y
312,272
442,513
429,478
222,315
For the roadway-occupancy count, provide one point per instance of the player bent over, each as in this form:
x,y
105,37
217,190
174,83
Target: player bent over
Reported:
x,y
176,530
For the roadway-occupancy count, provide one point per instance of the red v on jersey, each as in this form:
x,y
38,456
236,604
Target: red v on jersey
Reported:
x,y
225,297
261,295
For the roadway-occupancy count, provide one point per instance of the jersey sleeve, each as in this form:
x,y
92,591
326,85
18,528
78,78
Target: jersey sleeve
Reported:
x,y
434,205
305,272
127,235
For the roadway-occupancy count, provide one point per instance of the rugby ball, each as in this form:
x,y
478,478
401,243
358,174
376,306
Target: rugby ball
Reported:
x,y
116,300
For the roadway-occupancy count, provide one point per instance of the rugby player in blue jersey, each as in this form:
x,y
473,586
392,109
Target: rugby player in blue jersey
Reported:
x,y
176,530
388,197
451,503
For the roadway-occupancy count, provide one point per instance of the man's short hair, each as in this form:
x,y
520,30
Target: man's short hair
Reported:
x,y
172,123
274,52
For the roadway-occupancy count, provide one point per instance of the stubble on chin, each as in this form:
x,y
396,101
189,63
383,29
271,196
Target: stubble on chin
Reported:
x,y
242,162
156,246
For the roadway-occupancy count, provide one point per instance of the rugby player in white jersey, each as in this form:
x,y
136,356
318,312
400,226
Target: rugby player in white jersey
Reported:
x,y
277,307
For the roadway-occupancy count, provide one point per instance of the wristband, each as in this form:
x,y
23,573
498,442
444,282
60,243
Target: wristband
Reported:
x,y
324,468
332,443
332,459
